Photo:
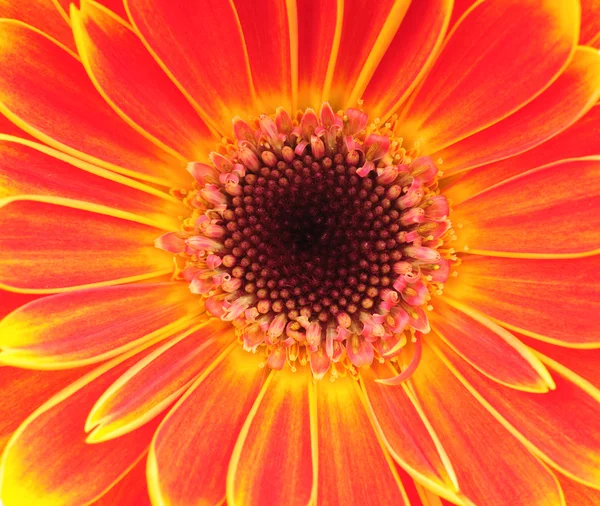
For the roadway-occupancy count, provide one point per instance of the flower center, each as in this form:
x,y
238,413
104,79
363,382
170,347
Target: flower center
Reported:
x,y
319,238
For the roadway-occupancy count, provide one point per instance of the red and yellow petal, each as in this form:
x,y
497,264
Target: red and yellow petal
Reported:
x,y
114,5
576,493
567,99
131,490
353,466
500,56
551,300
590,22
48,461
491,466
187,38
156,381
82,327
270,29
489,348
200,432
407,433
45,90
135,86
274,459
539,421
548,212
51,244
409,57
30,168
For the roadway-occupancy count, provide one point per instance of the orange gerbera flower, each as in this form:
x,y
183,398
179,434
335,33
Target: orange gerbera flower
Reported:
x,y
375,283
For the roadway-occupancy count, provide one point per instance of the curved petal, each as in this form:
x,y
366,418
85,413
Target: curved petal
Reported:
x,y
576,493
270,29
150,386
132,490
548,212
489,348
538,298
590,22
367,30
353,466
78,328
41,14
492,467
194,433
188,39
51,244
539,421
319,41
409,57
567,99
114,5
579,140
48,461
135,86
274,459
407,433
30,168
9,301
44,89
498,57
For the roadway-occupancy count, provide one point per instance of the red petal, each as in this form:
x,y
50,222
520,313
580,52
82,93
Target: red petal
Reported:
x,y
558,107
353,467
578,494
201,430
77,328
51,244
272,462
590,23
498,58
492,467
132,490
114,5
187,38
539,298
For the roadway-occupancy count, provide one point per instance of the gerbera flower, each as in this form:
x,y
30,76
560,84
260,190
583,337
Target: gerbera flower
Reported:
x,y
375,283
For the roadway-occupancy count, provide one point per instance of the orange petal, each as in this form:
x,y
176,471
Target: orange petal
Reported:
x,y
187,38
319,40
201,430
557,426
271,36
367,31
590,22
274,459
135,86
40,79
539,298
580,139
9,301
77,328
34,169
150,386
407,434
548,212
353,466
9,128
49,462
409,57
559,106
114,5
132,490
492,467
22,391
489,348
497,58
578,494
51,244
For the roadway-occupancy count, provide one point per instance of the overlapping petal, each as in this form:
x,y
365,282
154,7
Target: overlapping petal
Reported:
x,y
590,22
551,300
540,421
77,328
547,212
201,46
44,89
567,99
131,490
498,57
201,430
114,5
157,381
274,460
491,466
353,466
51,244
